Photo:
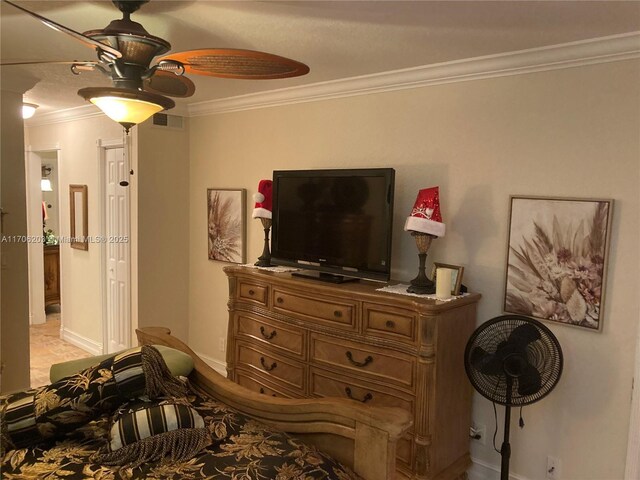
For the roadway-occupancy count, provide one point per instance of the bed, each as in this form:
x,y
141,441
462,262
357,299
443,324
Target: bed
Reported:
x,y
264,437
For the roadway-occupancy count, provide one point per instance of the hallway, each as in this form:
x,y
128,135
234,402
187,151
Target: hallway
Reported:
x,y
48,348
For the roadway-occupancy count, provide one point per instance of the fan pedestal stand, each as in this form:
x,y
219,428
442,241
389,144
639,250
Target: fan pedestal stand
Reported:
x,y
505,449
264,260
513,360
421,284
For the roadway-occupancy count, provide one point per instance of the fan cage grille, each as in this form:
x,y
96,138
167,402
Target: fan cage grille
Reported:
x,y
544,354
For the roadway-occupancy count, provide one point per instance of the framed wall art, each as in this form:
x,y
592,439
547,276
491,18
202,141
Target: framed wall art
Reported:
x,y
79,217
226,220
557,259
456,276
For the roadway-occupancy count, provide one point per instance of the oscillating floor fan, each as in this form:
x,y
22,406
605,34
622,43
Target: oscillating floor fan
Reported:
x,y
512,360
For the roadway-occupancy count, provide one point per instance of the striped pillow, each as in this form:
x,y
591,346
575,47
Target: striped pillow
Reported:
x,y
148,420
146,432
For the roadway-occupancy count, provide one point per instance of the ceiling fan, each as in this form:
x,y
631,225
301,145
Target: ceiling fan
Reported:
x,y
125,51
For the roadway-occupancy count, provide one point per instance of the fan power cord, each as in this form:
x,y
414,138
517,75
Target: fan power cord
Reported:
x,y
495,432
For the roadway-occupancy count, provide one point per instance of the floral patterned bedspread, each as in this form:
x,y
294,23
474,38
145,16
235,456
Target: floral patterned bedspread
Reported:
x,y
250,451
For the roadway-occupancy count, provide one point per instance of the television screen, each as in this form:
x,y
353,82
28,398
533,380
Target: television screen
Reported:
x,y
334,221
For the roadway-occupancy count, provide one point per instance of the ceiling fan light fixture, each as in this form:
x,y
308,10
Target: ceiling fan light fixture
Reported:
x,y
127,107
28,109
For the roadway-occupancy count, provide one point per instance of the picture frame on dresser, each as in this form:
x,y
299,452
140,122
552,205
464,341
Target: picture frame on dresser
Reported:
x,y
226,224
557,255
456,275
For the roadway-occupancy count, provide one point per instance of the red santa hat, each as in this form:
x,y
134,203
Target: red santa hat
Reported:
x,y
425,216
262,208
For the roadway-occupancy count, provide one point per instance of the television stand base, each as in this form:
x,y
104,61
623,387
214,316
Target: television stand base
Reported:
x,y
325,277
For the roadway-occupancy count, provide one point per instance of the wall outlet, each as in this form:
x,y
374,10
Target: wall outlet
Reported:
x,y
478,433
553,468
223,344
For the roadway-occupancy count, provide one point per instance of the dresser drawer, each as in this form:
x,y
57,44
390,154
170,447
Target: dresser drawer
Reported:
x,y
326,310
382,364
247,380
290,372
283,337
389,322
328,384
252,292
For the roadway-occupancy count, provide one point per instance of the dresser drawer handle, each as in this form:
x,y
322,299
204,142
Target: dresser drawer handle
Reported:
x,y
262,391
280,300
366,362
267,367
337,314
267,336
390,324
365,399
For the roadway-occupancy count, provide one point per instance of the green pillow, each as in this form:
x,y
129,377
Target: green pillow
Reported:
x,y
180,364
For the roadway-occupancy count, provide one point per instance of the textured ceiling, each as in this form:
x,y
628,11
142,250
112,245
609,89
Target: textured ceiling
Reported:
x,y
336,39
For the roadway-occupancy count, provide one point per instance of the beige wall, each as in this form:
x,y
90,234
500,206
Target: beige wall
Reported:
x,y
78,163
163,228
571,132
14,281
159,188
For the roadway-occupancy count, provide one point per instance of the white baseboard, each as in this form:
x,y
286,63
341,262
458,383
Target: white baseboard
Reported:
x,y
217,365
481,470
86,344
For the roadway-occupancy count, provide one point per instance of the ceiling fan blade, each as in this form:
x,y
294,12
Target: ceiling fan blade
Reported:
x,y
234,63
89,42
167,83
529,383
78,64
486,363
524,334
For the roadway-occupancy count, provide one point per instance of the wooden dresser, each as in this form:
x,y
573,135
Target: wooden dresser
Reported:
x,y
294,337
51,275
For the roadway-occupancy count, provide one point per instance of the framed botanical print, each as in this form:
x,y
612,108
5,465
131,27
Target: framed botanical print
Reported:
x,y
557,259
226,220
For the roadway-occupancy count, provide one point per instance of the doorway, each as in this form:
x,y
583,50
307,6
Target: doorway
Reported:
x,y
43,191
43,233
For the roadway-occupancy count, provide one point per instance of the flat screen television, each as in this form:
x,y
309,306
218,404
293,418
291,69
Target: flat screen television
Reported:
x,y
336,223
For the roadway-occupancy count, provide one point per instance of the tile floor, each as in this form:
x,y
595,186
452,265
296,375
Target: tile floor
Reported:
x,y
48,348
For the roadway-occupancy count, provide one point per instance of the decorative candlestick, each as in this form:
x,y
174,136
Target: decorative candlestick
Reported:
x,y
421,284
262,210
425,224
264,260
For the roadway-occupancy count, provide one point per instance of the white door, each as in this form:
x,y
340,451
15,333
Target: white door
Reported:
x,y
117,250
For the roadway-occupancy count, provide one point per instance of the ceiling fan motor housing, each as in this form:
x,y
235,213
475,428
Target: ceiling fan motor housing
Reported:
x,y
127,7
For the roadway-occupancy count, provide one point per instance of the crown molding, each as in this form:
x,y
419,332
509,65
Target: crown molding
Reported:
x,y
567,55
77,113
66,115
